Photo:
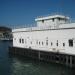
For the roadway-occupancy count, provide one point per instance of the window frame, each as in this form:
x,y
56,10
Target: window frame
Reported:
x,y
70,41
20,41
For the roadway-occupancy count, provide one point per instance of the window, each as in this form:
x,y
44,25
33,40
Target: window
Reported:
x,y
51,43
39,43
53,19
42,21
71,43
57,44
59,19
19,40
63,44
22,40
42,43
31,42
46,42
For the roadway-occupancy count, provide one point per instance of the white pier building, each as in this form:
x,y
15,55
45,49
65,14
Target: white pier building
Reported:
x,y
55,34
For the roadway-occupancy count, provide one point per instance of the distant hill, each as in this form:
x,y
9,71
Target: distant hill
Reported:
x,y
5,33
5,29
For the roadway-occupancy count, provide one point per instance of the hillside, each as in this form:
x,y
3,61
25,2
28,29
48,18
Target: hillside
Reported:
x,y
5,29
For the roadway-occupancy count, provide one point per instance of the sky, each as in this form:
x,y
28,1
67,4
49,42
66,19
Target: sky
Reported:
x,y
23,12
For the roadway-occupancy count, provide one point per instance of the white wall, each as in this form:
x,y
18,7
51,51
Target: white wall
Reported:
x,y
41,36
46,23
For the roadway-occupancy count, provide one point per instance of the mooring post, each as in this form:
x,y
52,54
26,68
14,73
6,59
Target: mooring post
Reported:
x,y
70,61
39,54
66,60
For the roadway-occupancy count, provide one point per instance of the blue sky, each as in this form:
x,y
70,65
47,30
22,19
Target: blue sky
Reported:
x,y
23,12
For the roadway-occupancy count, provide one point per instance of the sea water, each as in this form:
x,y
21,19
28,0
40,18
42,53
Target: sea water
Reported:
x,y
18,65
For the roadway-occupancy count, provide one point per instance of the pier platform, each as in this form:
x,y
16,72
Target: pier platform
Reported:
x,y
64,59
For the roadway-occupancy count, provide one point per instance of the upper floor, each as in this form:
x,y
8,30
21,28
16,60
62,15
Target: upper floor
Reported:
x,y
51,21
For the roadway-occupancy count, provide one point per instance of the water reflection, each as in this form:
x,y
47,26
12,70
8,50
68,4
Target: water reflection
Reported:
x,y
27,66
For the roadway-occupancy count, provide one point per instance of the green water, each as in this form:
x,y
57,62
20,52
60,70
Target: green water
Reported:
x,y
10,65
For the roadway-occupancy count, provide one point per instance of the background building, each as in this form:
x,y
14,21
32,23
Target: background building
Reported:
x,y
5,33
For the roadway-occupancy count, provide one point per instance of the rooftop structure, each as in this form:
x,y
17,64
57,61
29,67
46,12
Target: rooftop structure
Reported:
x,y
49,22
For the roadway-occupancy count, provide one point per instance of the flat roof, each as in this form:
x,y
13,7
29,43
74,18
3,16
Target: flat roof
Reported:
x,y
50,17
62,26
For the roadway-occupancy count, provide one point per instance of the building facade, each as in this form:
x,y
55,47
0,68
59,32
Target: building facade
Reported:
x,y
52,34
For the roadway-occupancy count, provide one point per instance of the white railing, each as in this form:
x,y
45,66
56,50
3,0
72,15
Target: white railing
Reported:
x,y
33,28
